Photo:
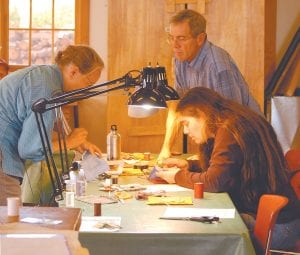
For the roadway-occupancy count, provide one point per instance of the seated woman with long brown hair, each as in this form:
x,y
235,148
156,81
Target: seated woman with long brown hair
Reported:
x,y
239,153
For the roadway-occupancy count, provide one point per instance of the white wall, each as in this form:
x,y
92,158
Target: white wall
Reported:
x,y
92,112
98,30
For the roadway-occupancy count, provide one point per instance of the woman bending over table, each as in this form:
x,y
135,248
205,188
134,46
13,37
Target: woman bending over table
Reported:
x,y
238,153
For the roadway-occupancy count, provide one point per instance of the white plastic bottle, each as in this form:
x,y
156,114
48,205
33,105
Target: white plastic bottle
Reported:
x,y
81,183
113,144
73,179
73,174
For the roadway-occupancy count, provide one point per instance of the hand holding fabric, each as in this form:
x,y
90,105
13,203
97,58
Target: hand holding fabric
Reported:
x,y
87,146
77,137
176,162
168,174
77,140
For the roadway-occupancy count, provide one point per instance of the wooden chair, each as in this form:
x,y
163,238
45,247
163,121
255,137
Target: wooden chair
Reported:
x,y
268,209
295,182
292,157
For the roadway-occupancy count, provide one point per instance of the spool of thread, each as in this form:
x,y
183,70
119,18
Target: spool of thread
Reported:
x,y
13,204
97,209
114,179
198,190
147,156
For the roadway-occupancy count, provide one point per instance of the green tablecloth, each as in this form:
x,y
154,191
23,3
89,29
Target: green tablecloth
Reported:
x,y
143,233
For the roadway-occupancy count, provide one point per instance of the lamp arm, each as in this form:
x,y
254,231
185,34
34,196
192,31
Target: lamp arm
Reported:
x,y
43,105
85,96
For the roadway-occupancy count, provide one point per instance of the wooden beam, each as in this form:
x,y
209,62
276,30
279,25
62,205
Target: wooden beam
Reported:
x,y
82,19
200,4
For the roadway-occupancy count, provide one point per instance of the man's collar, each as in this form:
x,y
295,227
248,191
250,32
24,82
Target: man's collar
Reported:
x,y
200,55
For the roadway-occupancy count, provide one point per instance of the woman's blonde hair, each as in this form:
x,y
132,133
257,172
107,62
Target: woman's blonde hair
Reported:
x,y
84,57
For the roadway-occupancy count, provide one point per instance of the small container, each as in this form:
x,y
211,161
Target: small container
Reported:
x,y
107,182
70,186
81,183
147,156
13,204
198,189
97,209
70,198
114,179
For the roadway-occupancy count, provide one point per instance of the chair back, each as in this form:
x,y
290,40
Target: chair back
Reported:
x,y
268,208
295,183
292,157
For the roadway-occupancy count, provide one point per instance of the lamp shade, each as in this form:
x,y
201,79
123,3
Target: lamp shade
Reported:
x,y
147,98
168,92
139,112
162,84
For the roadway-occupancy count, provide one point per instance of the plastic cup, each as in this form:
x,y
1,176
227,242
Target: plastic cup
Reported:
x,y
13,205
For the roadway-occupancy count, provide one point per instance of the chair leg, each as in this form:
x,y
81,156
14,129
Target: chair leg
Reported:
x,y
267,250
285,252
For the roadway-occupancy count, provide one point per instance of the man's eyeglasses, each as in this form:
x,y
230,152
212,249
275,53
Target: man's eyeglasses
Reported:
x,y
178,39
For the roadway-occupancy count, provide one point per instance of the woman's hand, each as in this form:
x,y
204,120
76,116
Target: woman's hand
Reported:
x,y
176,162
77,140
168,174
77,137
170,167
92,148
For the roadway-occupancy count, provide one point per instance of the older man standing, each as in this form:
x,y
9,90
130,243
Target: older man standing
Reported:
x,y
197,63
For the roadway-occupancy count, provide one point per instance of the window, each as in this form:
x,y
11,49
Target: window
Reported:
x,y
34,30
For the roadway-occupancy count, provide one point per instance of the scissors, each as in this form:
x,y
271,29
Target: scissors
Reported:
x,y
203,219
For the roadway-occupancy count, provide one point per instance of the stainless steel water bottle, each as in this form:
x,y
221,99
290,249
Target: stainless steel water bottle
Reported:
x,y
113,144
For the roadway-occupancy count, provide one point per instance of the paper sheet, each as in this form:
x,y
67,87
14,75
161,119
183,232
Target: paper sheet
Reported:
x,y
198,212
41,221
169,200
166,187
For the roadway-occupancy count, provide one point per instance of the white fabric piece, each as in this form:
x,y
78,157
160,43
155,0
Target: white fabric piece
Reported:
x,y
285,117
93,166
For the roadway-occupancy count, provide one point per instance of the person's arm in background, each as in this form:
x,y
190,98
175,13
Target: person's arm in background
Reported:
x,y
76,138
172,129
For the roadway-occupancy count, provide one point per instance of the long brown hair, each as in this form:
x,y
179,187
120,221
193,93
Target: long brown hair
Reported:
x,y
264,168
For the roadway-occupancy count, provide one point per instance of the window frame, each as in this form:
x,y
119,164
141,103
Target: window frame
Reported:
x,y
82,17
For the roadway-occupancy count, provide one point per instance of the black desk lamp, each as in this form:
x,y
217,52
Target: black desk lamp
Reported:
x,y
155,85
147,94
